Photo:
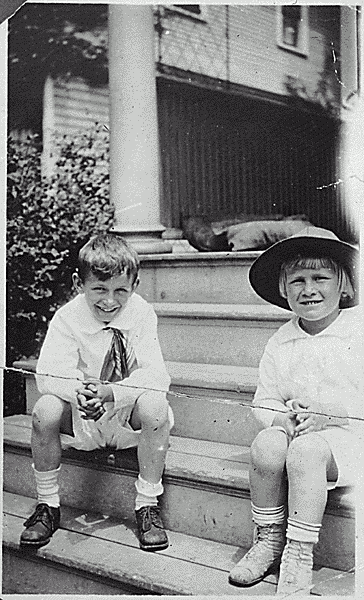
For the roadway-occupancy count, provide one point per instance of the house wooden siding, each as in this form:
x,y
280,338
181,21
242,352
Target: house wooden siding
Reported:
x,y
226,153
239,44
232,43
78,106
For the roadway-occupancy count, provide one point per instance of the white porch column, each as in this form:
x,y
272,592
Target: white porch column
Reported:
x,y
134,149
349,57
352,114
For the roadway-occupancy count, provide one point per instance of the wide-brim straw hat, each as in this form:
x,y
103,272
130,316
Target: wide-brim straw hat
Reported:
x,y
310,242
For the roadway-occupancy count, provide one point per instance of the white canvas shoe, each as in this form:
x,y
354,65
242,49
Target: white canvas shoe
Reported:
x,y
296,569
262,558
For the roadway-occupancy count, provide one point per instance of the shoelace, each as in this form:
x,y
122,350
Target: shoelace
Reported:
x,y
41,514
293,559
151,517
262,536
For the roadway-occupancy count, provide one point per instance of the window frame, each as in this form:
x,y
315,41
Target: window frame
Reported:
x,y
302,47
173,8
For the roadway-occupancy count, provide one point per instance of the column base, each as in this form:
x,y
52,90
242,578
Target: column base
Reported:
x,y
145,242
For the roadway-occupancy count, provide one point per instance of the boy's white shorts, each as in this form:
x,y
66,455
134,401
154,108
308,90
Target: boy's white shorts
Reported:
x,y
345,449
111,430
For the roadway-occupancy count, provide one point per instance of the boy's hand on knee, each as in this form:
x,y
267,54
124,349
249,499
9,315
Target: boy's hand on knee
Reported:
x,y
308,416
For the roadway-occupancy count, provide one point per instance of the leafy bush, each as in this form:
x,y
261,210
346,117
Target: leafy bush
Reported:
x,y
48,220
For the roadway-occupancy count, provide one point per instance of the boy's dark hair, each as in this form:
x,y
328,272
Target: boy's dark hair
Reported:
x,y
107,255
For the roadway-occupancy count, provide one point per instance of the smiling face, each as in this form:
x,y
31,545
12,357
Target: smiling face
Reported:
x,y
106,299
314,295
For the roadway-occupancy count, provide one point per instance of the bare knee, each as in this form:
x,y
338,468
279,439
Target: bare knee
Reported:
x,y
153,409
269,450
48,413
305,452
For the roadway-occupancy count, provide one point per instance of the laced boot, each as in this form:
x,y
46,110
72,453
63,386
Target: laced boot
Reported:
x,y
40,526
262,558
296,569
151,533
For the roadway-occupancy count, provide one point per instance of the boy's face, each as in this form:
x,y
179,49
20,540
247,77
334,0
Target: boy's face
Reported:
x,y
313,295
106,299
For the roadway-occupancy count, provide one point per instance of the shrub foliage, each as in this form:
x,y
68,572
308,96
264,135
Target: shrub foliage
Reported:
x,y
48,220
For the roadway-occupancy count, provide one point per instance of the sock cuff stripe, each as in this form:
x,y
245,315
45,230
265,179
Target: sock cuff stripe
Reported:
x,y
267,511
50,473
314,527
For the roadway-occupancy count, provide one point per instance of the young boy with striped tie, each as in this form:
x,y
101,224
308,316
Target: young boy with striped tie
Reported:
x,y
107,387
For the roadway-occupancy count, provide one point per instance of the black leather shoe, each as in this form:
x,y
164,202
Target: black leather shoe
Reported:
x,y
40,526
152,535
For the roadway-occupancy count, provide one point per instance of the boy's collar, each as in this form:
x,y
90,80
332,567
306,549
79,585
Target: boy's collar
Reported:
x,y
293,331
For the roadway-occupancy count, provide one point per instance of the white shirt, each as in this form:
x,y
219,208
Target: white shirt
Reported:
x,y
76,344
327,367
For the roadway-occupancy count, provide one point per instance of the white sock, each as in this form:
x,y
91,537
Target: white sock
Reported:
x,y
47,486
268,516
147,493
303,532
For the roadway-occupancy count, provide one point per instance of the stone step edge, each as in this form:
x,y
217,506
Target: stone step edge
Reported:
x,y
214,466
194,375
213,376
113,553
189,553
226,312
211,468
194,258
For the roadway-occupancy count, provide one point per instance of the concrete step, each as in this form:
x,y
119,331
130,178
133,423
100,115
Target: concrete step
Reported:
x,y
209,277
96,554
102,546
206,490
224,334
207,400
212,402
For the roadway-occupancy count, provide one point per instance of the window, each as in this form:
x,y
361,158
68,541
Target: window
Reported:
x,y
293,28
196,12
192,8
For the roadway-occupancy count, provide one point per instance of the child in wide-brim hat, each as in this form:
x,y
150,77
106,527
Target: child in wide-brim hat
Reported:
x,y
310,384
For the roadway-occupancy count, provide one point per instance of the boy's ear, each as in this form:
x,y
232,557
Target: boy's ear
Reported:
x,y
77,282
135,284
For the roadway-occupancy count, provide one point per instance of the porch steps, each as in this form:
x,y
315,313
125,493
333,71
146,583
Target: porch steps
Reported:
x,y
224,334
95,554
209,277
206,490
213,330
212,402
208,401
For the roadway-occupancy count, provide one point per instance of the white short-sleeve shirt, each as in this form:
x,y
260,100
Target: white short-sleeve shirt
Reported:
x,y
327,367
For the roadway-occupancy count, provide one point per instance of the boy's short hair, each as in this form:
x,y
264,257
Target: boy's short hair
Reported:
x,y
306,262
107,255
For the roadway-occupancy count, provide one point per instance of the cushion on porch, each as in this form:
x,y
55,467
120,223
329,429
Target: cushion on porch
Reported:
x,y
259,235
251,235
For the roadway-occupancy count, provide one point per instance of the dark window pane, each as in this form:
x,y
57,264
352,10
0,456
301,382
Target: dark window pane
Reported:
x,y
192,8
291,24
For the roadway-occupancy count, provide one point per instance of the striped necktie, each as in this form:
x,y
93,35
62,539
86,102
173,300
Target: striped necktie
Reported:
x,y
115,367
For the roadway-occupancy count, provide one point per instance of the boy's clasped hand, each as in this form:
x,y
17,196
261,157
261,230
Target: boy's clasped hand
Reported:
x,y
303,417
306,420
91,398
